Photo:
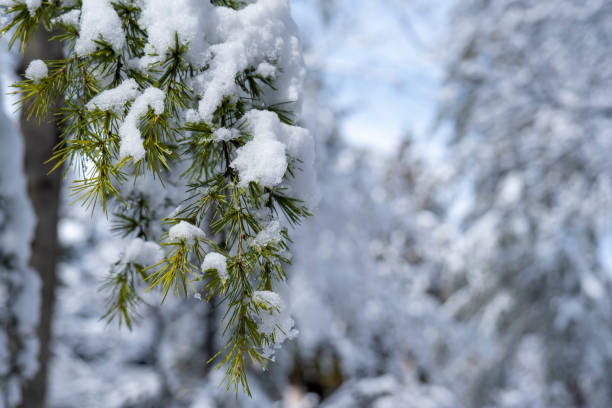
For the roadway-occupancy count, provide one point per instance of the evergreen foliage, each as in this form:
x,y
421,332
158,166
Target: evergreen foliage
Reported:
x,y
183,162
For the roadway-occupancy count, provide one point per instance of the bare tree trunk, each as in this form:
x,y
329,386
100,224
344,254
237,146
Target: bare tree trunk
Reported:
x,y
44,192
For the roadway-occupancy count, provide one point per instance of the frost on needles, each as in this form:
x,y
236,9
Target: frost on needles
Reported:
x,y
181,118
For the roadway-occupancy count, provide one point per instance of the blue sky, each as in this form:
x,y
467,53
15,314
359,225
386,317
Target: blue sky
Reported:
x,y
380,64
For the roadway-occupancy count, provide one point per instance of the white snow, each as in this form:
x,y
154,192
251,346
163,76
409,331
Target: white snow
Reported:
x,y
263,159
33,5
248,37
266,70
271,299
269,235
37,70
164,19
73,17
114,99
184,231
225,134
99,21
215,260
131,141
275,322
144,253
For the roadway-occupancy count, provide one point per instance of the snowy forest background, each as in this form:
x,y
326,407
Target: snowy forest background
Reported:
x,y
461,255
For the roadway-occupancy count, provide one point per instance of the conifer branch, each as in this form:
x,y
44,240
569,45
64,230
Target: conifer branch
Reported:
x,y
106,102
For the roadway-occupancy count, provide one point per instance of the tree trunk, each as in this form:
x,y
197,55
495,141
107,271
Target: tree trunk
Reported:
x,y
44,192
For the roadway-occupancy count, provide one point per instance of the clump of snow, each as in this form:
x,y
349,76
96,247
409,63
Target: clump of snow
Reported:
x,y
266,70
165,19
247,37
184,231
99,21
263,159
215,260
114,99
37,70
131,141
228,41
143,252
269,235
224,134
270,299
274,321
33,5
73,17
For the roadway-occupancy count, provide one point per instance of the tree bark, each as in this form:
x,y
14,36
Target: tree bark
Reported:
x,y
44,192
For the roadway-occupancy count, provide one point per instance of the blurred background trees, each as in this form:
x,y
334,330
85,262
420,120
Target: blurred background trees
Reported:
x,y
19,283
462,265
529,99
